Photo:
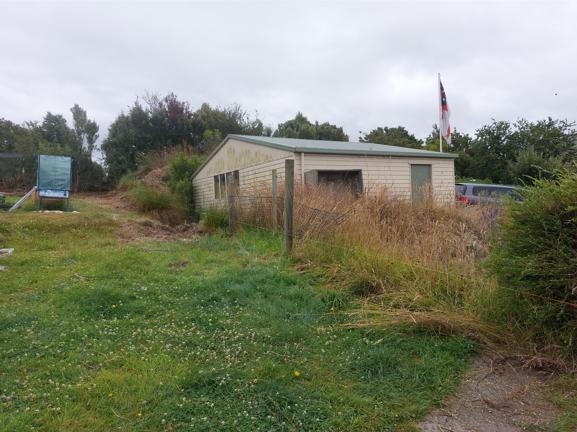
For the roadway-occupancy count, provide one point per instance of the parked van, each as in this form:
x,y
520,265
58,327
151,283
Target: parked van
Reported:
x,y
477,193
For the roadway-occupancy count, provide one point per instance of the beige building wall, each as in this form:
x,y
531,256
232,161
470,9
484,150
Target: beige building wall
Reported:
x,y
255,164
394,173
236,154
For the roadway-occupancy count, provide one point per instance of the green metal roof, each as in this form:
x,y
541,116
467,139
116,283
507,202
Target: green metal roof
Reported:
x,y
338,147
333,147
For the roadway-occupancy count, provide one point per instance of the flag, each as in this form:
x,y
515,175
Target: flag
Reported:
x,y
445,126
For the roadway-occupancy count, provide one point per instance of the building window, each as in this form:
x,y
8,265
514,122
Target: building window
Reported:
x,y
219,186
220,183
216,188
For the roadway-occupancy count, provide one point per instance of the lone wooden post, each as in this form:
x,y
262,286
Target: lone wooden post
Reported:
x,y
289,176
274,201
231,189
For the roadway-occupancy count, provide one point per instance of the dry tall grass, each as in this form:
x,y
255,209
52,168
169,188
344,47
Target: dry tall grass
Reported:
x,y
412,263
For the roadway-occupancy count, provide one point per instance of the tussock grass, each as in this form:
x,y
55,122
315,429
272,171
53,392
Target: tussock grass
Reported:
x,y
215,218
416,264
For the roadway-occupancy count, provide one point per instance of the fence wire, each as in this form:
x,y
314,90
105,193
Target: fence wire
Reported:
x,y
313,224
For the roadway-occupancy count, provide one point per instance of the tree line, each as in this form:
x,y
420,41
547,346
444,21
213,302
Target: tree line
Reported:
x,y
500,152
52,136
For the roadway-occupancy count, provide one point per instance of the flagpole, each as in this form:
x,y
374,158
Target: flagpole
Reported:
x,y
440,113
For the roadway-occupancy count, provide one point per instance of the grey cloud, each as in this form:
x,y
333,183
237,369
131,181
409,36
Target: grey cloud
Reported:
x,y
357,64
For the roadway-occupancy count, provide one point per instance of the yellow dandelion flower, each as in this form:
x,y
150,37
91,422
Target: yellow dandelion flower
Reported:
x,y
296,374
113,306
139,414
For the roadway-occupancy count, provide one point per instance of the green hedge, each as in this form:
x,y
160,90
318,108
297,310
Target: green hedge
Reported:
x,y
535,260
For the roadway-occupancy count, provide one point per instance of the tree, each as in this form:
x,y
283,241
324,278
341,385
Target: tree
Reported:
x,y
329,132
54,130
301,127
549,138
91,131
211,138
161,123
228,120
492,151
513,153
532,165
393,136
86,130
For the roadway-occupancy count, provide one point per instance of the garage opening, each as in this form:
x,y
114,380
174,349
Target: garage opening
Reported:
x,y
339,181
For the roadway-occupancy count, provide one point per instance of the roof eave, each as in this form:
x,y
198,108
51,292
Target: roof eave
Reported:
x,y
320,150
378,153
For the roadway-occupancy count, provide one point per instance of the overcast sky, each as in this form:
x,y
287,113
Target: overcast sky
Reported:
x,y
356,64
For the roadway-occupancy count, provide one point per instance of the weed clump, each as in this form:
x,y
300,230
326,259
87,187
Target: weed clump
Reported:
x,y
215,218
148,199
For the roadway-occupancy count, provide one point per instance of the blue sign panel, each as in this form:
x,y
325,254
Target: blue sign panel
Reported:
x,y
54,173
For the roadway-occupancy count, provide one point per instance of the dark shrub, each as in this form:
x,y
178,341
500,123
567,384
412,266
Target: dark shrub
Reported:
x,y
535,260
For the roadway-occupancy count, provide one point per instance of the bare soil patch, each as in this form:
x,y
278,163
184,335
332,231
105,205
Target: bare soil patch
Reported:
x,y
148,229
119,200
497,395
143,228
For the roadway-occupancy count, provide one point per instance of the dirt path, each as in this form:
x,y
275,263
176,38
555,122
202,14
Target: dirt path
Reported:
x,y
496,396
140,227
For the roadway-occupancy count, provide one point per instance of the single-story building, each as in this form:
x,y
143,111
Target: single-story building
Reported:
x,y
363,167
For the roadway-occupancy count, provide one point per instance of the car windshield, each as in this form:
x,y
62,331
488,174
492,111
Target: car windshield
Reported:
x,y
460,189
493,191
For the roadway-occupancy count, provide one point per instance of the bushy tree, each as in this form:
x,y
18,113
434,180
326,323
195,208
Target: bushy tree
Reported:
x,y
393,136
535,260
531,165
54,129
86,130
162,123
301,127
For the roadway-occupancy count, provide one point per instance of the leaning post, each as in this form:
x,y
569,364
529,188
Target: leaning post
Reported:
x,y
289,174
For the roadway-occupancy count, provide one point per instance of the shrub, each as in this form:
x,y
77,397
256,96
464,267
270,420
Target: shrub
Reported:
x,y
535,260
127,181
148,199
180,170
531,165
215,218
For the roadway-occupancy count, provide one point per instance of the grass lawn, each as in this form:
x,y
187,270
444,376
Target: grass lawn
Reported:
x,y
96,335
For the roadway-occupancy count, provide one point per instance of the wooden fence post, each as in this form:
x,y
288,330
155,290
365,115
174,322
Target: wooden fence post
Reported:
x,y
289,176
274,201
231,190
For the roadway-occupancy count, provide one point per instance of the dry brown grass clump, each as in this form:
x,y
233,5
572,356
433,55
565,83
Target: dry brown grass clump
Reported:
x,y
413,263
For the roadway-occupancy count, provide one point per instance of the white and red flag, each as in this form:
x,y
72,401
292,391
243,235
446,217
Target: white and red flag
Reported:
x,y
444,114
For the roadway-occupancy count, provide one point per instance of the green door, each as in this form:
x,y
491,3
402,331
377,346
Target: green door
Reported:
x,y
420,180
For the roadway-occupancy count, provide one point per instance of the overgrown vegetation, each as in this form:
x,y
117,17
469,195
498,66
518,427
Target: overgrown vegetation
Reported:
x,y
148,199
535,258
161,186
99,335
215,218
424,264
180,170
